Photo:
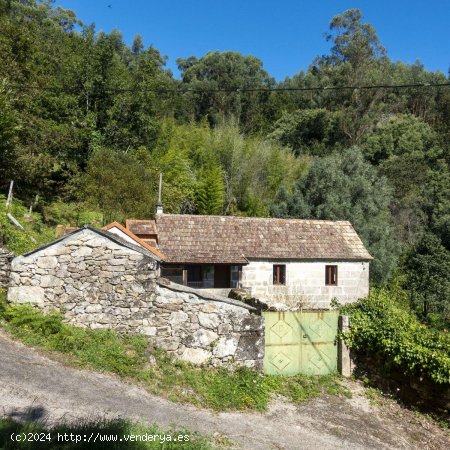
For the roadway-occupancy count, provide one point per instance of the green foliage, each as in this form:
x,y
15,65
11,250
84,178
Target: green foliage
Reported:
x,y
409,154
254,169
70,214
345,187
211,191
116,435
17,240
310,131
127,356
381,327
93,150
427,277
118,185
9,127
101,349
226,70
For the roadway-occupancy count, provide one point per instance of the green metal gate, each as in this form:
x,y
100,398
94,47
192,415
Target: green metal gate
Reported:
x,y
300,342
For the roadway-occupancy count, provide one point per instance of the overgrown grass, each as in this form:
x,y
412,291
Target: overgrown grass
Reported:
x,y
113,434
128,356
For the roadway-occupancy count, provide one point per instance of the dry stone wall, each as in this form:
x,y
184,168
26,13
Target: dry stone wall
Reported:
x,y
211,329
102,282
5,267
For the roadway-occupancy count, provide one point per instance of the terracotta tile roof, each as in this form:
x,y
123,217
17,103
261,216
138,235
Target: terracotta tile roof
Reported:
x,y
134,237
141,226
226,239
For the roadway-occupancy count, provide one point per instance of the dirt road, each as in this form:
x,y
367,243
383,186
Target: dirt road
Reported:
x,y
54,392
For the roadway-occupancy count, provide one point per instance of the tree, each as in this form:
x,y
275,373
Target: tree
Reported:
x,y
343,186
409,153
9,127
211,192
309,131
228,71
353,41
118,185
427,269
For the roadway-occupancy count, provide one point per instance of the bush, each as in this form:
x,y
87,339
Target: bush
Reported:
x,y
127,356
19,241
380,326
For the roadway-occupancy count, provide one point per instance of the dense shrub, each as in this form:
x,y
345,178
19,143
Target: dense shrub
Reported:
x,y
381,326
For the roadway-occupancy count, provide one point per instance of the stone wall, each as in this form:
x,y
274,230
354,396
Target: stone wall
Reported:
x,y
5,267
305,283
202,327
99,281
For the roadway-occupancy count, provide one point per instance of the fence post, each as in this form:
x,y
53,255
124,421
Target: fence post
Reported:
x,y
344,361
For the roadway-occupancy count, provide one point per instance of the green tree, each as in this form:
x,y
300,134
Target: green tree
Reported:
x,y
343,186
118,185
427,269
227,71
9,127
309,131
409,153
211,191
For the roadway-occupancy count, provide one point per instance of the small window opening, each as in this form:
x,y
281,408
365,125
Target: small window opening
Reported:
x,y
279,274
331,275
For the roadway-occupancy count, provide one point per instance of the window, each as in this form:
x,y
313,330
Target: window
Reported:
x,y
331,276
279,274
234,276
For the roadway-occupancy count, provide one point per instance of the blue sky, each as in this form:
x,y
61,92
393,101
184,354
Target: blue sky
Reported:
x,y
285,35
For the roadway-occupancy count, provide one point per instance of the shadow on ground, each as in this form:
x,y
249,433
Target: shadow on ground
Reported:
x,y
28,429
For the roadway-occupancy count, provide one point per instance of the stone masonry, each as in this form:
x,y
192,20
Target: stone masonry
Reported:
x,y
5,267
100,281
202,327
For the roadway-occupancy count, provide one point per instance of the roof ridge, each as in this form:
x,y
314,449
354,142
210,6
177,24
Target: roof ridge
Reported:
x,y
293,219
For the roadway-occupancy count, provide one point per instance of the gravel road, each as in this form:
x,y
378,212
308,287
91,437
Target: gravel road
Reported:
x,y
30,381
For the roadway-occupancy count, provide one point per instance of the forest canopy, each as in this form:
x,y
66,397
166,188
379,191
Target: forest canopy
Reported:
x,y
89,121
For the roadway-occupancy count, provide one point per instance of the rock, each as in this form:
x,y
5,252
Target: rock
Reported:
x,y
195,355
149,331
118,262
178,317
168,344
226,346
202,338
224,328
211,321
47,262
15,278
250,346
209,308
26,294
51,281
96,242
82,251
247,322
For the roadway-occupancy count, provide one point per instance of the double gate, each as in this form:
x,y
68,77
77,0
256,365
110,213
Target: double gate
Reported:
x,y
301,342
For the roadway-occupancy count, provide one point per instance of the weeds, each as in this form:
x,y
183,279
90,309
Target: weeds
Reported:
x,y
102,435
127,356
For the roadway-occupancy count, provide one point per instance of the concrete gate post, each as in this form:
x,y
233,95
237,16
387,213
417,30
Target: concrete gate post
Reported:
x,y
344,360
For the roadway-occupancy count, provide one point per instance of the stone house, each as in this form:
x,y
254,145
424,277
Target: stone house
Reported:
x,y
110,279
292,262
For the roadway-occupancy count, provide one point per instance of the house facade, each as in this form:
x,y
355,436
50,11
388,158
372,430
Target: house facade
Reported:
x,y
292,262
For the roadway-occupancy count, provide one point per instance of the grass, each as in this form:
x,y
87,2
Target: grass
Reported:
x,y
128,357
108,435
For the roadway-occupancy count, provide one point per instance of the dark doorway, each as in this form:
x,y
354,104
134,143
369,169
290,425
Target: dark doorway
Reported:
x,y
221,276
